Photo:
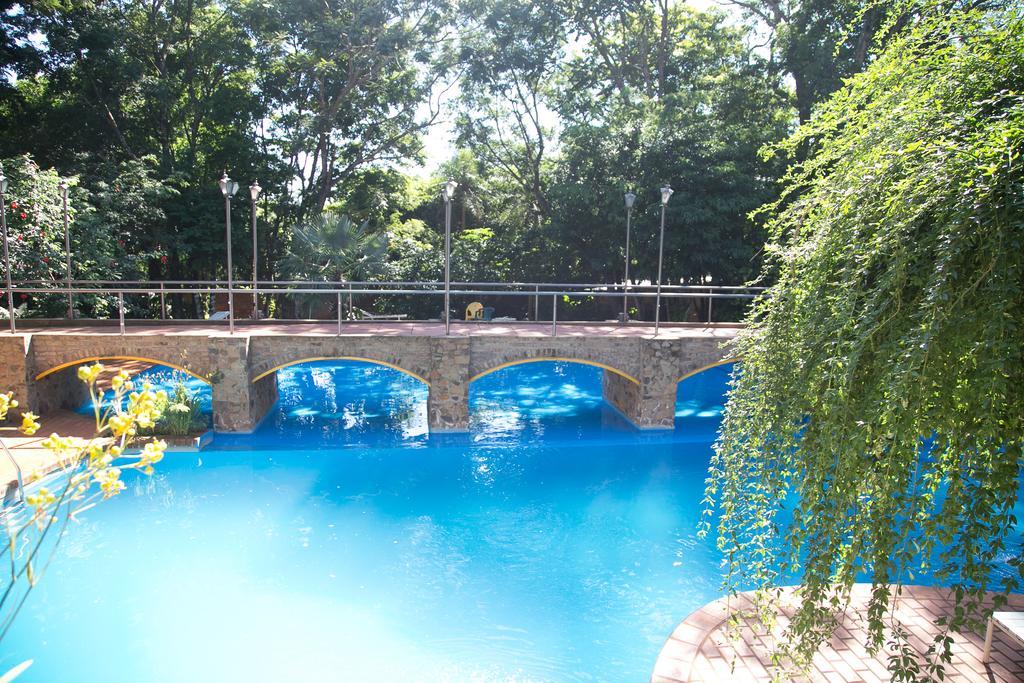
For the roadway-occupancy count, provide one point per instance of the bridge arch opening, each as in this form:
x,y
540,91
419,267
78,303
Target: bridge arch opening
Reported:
x,y
538,396
701,396
553,359
338,359
344,400
59,387
117,362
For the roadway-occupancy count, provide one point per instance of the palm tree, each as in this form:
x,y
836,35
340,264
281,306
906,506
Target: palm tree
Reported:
x,y
331,247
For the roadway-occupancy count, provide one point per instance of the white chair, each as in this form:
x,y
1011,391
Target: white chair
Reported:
x,y
1011,623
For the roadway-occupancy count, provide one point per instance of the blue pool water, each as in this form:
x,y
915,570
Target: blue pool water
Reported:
x,y
161,377
341,542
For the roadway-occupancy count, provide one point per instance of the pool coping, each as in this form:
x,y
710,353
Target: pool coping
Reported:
x,y
700,650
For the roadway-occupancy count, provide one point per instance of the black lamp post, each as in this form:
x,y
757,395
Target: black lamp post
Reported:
x,y
666,192
228,188
630,198
448,193
254,194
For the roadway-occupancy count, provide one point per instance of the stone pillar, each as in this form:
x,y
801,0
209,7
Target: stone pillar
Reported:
x,y
238,404
448,401
652,403
16,371
622,395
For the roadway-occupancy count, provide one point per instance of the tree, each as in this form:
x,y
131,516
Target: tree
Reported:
x,y
877,425
817,43
351,76
693,115
512,50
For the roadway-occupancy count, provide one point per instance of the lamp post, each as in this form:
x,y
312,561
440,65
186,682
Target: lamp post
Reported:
x,y
254,194
228,188
448,193
666,192
67,248
630,198
7,255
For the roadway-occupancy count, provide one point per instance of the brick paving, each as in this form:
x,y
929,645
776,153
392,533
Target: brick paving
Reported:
x,y
27,451
700,649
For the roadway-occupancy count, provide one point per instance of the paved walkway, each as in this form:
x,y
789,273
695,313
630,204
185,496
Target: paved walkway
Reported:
x,y
28,450
700,650
388,329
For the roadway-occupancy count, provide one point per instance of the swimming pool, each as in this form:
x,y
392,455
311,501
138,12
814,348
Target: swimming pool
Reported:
x,y
342,542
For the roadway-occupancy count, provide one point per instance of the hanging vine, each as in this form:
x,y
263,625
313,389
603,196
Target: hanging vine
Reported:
x,y
875,430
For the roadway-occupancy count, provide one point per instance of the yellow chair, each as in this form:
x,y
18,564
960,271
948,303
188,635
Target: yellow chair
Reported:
x,y
475,311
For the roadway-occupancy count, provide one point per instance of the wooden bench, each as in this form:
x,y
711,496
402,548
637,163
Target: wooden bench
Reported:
x,y
1011,623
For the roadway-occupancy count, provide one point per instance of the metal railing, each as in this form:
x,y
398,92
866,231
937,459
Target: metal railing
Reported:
x,y
340,291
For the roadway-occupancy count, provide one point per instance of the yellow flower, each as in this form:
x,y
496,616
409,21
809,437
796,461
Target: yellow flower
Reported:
x,y
109,480
29,425
41,499
89,373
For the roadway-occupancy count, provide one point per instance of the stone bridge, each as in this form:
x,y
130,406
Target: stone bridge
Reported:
x,y
640,371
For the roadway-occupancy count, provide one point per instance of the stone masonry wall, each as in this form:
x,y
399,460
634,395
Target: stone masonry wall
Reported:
x,y
448,403
447,364
621,353
14,373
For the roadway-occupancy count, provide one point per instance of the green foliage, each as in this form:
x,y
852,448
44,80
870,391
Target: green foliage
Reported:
x,y
332,247
876,428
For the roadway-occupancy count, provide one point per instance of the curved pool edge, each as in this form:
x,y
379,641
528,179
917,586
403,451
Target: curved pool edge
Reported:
x,y
699,650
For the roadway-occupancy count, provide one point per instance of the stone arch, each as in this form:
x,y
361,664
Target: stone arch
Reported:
x,y
313,359
100,359
725,361
47,355
616,356
554,359
409,355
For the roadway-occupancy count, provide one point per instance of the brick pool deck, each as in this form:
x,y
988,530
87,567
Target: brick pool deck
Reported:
x,y
700,649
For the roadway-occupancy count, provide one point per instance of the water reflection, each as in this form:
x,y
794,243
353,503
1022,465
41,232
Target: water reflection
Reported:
x,y
332,402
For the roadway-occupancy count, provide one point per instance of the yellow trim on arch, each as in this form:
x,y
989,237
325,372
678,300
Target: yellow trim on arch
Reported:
x,y
318,358
560,359
734,359
93,359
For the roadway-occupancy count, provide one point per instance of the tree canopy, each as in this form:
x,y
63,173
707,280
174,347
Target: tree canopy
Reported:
x,y
556,110
875,431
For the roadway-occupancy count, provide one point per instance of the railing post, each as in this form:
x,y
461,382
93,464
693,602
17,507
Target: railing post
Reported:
x,y
163,303
339,311
536,302
554,315
120,310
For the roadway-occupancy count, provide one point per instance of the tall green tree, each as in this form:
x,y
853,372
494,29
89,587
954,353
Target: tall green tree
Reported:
x,y
876,429
817,43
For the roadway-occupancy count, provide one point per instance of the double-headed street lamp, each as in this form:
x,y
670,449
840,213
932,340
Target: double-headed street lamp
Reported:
x,y
630,198
666,192
7,255
67,247
228,188
448,193
254,194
